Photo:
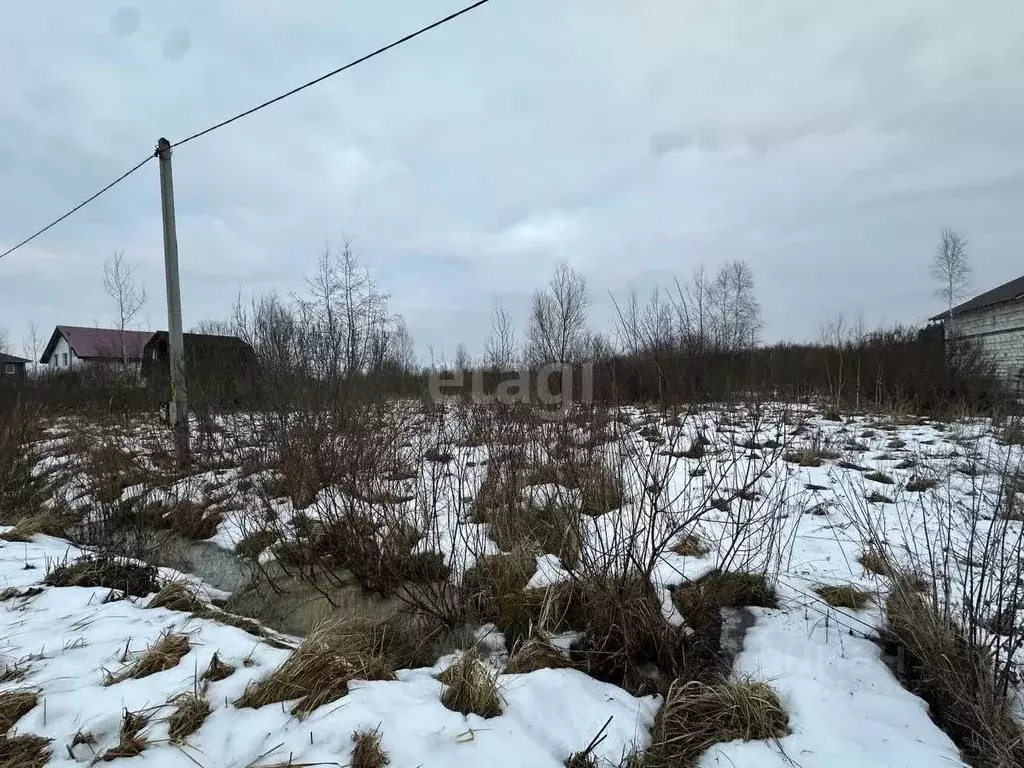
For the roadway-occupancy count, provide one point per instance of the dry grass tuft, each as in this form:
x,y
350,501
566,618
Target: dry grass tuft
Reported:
x,y
471,688
317,672
182,596
956,679
192,521
132,742
625,639
128,576
14,705
729,589
24,751
253,544
176,596
696,716
13,673
45,523
691,546
879,477
874,561
536,653
190,712
845,596
495,591
367,752
10,593
163,655
921,484
217,671
553,528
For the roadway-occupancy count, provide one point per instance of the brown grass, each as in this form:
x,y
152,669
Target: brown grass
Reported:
x,y
875,561
14,705
182,596
956,680
253,544
317,672
192,521
45,523
132,742
10,593
495,591
691,546
845,596
624,634
190,712
164,654
553,528
25,751
921,484
367,752
536,653
879,477
696,716
217,671
471,688
128,576
13,673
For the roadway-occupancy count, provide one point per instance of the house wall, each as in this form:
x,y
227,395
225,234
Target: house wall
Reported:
x,y
61,349
1000,331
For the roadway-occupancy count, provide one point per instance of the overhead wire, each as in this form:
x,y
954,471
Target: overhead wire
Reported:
x,y
246,113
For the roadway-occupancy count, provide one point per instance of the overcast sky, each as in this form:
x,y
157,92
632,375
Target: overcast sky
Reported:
x,y
824,143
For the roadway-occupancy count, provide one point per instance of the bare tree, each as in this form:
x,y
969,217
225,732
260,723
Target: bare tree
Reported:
x,y
462,361
119,284
558,318
501,344
5,340
951,268
33,341
734,308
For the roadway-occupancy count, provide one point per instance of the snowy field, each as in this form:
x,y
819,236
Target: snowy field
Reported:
x,y
786,493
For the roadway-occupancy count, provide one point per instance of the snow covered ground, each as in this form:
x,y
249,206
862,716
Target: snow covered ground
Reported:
x,y
846,709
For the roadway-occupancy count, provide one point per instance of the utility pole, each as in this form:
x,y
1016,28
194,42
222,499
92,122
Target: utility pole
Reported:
x,y
177,409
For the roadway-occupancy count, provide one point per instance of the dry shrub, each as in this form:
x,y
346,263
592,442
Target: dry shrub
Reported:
x,y
1009,505
132,742
696,716
14,705
367,752
553,527
24,751
536,653
317,672
163,655
217,671
495,591
691,546
190,712
128,576
955,678
470,688
625,638
845,596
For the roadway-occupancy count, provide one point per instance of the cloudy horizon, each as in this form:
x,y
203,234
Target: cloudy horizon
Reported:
x,y
825,145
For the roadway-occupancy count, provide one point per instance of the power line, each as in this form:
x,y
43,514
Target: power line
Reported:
x,y
81,205
248,112
332,73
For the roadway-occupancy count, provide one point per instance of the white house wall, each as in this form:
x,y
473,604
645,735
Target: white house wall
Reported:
x,y
61,349
999,330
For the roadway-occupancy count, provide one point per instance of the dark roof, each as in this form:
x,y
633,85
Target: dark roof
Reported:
x,y
99,343
1005,292
6,359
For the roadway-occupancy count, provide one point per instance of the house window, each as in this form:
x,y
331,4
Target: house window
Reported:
x,y
64,359
9,369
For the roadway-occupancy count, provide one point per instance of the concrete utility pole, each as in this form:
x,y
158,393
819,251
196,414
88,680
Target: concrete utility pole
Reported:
x,y
177,410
